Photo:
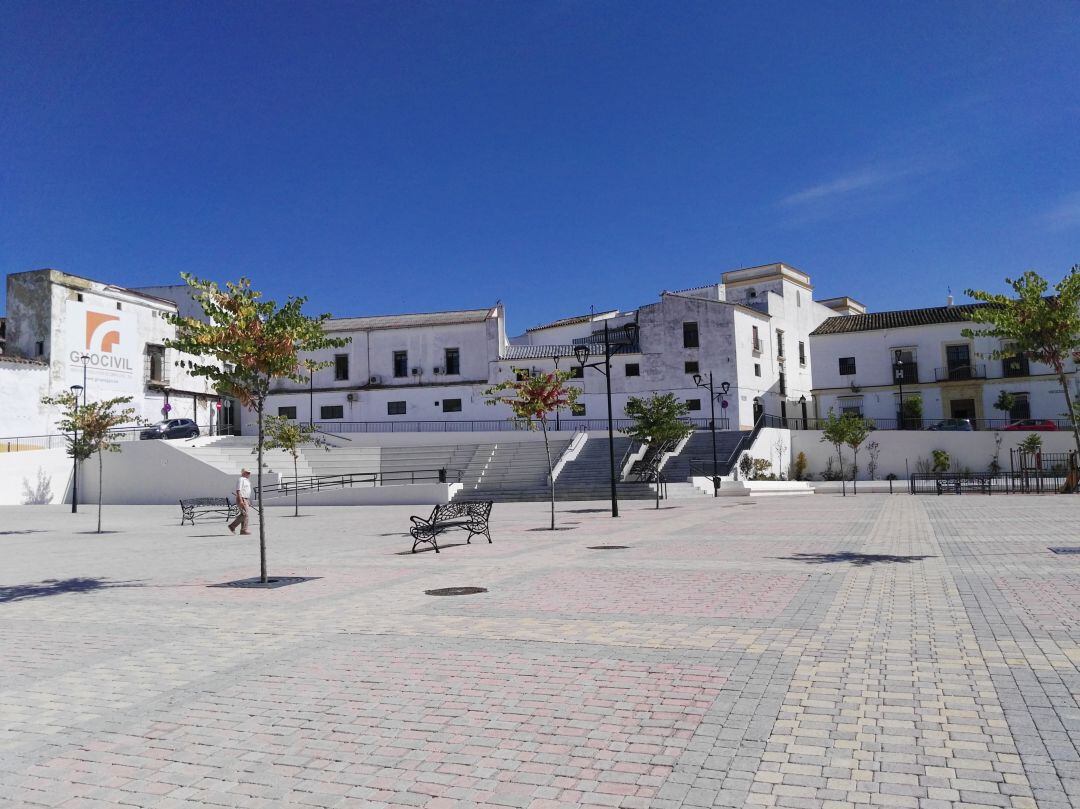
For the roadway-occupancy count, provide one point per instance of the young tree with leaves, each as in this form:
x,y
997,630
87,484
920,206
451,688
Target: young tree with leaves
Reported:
x,y
253,341
93,424
289,435
834,431
1044,328
533,400
856,430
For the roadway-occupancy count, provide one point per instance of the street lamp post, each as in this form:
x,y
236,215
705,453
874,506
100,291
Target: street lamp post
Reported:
x,y
581,352
75,448
899,370
85,358
713,396
802,403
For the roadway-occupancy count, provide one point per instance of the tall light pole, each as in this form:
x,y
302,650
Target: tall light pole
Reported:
x,y
899,371
713,396
85,358
75,448
581,352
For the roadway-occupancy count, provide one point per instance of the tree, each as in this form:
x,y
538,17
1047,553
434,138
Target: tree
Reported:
x,y
835,432
1044,328
533,399
254,342
289,435
856,431
1005,402
658,422
93,424
911,412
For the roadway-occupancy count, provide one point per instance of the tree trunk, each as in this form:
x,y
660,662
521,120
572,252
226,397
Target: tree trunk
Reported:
x,y
855,473
1060,368
551,477
262,522
100,472
296,489
843,480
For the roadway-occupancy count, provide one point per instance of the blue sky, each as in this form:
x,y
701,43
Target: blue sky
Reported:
x,y
411,156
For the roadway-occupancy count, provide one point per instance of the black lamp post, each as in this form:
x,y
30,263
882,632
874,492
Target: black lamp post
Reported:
x,y
75,448
899,370
802,404
713,396
581,353
311,398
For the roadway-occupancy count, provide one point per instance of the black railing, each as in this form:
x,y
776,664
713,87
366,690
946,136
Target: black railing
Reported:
x,y
1031,481
797,423
704,467
22,443
1015,366
959,373
489,425
346,480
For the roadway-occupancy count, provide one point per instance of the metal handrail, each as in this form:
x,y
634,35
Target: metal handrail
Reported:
x,y
345,480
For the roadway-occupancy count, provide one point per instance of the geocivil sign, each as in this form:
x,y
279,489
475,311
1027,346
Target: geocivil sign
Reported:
x,y
108,339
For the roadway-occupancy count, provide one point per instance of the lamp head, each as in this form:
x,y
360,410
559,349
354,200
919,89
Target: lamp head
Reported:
x,y
581,353
632,331
725,387
76,388
897,354
697,380
802,399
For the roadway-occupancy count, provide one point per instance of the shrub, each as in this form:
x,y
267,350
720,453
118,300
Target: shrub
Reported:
x,y
941,461
800,466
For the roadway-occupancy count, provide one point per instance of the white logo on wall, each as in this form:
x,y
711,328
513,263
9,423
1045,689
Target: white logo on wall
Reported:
x,y
108,341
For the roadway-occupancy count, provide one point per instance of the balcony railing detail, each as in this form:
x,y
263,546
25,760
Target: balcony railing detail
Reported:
x,y
959,373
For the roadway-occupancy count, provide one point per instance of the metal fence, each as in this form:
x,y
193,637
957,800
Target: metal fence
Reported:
x,y
794,423
489,425
316,483
24,443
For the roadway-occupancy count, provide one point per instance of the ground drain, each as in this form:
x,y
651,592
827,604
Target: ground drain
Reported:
x,y
608,547
1072,549
456,591
271,583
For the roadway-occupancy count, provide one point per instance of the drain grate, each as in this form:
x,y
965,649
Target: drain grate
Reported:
x,y
608,547
1070,549
456,591
271,583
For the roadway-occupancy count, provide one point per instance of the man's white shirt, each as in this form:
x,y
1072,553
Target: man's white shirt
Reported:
x,y
243,486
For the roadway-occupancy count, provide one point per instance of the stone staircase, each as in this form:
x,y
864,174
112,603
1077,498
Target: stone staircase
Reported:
x,y
511,472
699,447
588,477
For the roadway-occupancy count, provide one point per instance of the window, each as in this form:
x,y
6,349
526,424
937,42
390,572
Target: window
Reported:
x,y
906,372
287,413
332,412
757,369
395,408
783,384
401,363
802,353
521,374
39,346
690,367
633,369
451,405
779,343
577,372
79,297
1016,364
693,404
958,361
577,409
1021,408
452,362
850,404
847,366
798,299
757,340
689,335
155,356
119,305
341,366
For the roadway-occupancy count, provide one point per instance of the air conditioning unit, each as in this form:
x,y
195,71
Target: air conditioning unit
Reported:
x,y
375,380
351,397
437,370
416,372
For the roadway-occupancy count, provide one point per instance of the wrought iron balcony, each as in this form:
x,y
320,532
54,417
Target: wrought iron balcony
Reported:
x,y
905,373
959,373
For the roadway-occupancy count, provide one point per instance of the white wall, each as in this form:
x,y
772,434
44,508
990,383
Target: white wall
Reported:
x,y
901,449
35,477
21,387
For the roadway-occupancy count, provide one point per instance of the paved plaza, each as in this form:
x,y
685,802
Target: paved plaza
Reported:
x,y
803,652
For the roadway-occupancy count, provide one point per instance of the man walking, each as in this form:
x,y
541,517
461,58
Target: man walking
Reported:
x,y
243,497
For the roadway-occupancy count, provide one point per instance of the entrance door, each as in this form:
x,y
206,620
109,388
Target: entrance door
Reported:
x,y
962,409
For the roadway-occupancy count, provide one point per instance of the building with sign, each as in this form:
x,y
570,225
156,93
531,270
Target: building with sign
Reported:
x,y
73,331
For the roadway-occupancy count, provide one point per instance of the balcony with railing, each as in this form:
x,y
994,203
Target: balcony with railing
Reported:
x,y
1015,366
959,373
905,373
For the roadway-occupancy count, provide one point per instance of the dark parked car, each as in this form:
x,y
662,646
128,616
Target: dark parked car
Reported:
x,y
173,428
952,425
1031,424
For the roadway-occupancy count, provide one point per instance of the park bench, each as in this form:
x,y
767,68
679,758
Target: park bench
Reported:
x,y
471,517
201,506
958,484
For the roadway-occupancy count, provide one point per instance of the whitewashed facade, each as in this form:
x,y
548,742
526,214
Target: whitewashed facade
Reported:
x,y
854,359
107,337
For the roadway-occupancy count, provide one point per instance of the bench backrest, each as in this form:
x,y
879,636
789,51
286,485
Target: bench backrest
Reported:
x,y
451,511
206,501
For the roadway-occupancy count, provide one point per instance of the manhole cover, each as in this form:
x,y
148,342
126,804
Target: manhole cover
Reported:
x,y
271,583
456,591
608,547
1073,549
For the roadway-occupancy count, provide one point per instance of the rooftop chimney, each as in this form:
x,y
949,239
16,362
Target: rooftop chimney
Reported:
x,y
949,299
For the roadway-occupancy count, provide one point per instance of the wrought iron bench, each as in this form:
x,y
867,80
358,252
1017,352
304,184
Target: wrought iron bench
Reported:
x,y
957,484
201,506
471,517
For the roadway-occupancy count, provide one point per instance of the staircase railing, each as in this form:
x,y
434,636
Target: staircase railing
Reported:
x,y
703,467
346,480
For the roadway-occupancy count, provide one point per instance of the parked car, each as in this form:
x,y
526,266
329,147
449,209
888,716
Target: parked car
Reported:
x,y
173,428
952,425
1031,424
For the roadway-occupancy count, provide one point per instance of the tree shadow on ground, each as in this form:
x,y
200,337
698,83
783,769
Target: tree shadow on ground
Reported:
x,y
23,531
856,559
57,587
585,510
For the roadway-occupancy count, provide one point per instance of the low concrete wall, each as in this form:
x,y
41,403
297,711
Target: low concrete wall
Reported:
x,y
902,449
36,477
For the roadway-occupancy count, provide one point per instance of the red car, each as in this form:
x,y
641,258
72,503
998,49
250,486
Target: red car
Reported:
x,y
1031,424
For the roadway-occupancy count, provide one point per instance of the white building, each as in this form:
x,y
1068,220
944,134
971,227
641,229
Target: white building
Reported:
x,y
855,369
75,331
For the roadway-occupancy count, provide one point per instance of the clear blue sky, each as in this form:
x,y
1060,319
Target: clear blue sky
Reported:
x,y
409,156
